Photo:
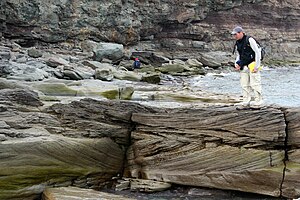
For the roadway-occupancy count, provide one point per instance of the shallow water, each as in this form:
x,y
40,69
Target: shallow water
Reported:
x,y
281,86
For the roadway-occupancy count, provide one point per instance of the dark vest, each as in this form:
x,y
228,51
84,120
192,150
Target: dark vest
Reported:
x,y
247,55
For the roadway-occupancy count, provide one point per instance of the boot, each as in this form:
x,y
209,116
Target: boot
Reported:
x,y
246,100
258,102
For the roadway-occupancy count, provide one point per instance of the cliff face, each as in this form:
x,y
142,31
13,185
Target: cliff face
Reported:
x,y
176,25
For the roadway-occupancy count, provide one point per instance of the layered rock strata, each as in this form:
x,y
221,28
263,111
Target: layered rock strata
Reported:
x,y
73,193
176,25
241,150
57,148
85,143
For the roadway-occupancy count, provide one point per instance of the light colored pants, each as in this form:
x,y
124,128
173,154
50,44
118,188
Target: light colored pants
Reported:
x,y
250,82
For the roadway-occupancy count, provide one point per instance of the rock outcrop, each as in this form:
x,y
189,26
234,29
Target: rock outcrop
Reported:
x,y
72,193
59,147
88,142
173,25
211,147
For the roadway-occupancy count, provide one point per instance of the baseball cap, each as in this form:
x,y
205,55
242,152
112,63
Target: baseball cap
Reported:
x,y
236,30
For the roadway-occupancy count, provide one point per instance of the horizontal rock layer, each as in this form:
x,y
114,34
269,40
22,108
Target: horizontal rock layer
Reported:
x,y
169,24
72,193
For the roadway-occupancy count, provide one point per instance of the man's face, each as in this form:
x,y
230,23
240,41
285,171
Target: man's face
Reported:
x,y
238,35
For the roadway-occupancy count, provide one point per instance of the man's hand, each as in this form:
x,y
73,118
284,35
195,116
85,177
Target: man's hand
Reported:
x,y
237,67
255,70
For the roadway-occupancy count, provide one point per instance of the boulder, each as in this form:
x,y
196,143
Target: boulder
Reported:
x,y
194,63
126,64
103,71
127,75
35,53
126,93
172,68
111,51
151,58
77,72
215,59
71,74
104,74
27,72
210,61
153,78
56,61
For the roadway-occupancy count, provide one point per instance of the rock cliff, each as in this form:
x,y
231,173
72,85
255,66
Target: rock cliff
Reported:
x,y
193,25
88,142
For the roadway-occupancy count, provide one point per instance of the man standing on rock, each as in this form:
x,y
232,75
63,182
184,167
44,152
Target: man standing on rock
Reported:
x,y
248,63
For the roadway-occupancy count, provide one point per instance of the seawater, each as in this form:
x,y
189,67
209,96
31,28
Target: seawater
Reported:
x,y
280,86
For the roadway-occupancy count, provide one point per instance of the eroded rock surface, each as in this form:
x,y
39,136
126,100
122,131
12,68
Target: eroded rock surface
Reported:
x,y
211,147
175,25
72,193
84,144
39,149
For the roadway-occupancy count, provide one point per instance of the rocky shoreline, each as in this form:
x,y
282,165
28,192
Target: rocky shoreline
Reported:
x,y
70,120
77,122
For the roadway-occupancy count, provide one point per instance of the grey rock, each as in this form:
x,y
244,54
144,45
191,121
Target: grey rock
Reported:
x,y
194,63
148,185
199,45
175,26
84,72
72,75
20,96
126,93
35,53
5,68
19,71
126,64
210,61
5,53
151,78
172,68
95,64
149,57
127,75
56,61
110,51
104,74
